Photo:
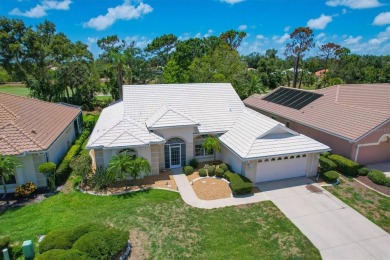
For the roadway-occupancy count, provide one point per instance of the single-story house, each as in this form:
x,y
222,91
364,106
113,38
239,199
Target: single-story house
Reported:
x,y
167,125
35,131
353,120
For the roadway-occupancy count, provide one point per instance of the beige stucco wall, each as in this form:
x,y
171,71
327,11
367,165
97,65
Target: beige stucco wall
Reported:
x,y
155,159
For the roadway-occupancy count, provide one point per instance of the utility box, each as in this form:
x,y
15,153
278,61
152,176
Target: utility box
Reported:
x,y
28,250
6,254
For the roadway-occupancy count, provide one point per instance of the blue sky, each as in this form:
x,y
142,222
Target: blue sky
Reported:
x,y
360,25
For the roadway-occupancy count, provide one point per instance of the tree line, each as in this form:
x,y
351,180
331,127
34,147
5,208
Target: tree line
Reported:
x,y
56,69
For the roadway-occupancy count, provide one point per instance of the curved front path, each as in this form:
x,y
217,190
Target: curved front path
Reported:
x,y
189,196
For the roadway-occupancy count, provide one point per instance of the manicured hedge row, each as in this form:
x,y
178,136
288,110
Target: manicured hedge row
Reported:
x,y
63,171
344,165
84,136
239,184
379,177
327,164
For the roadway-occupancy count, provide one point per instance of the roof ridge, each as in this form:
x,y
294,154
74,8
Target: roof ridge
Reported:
x,y
125,131
8,110
5,139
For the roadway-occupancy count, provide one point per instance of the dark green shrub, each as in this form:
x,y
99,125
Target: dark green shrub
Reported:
x,y
84,136
188,170
327,164
211,170
379,177
238,183
16,251
331,176
219,172
326,154
363,171
63,170
4,242
102,179
47,167
89,121
224,166
202,172
102,245
61,254
344,165
194,163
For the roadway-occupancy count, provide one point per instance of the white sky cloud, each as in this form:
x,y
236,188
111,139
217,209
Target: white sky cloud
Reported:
x,y
232,2
382,37
320,22
260,37
352,40
281,39
242,27
40,9
354,4
126,11
287,28
320,36
382,19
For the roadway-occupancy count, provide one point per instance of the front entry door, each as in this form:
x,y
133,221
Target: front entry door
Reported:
x,y
175,156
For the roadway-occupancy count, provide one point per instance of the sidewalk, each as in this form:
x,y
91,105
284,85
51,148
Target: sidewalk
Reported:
x,y
189,196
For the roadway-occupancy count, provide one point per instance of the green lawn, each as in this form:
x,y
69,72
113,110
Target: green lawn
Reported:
x,y
103,97
370,204
15,90
162,226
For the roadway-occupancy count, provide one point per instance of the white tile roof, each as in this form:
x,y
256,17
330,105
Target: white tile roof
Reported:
x,y
256,136
115,130
167,116
215,106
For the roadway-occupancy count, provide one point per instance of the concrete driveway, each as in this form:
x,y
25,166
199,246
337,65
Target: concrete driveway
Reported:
x,y
338,231
382,166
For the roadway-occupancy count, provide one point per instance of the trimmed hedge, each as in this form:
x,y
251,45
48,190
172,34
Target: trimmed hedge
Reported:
x,y
379,177
327,164
63,171
202,172
61,254
194,163
211,170
84,135
102,245
363,171
219,172
188,170
344,165
326,154
238,183
89,121
331,176
224,166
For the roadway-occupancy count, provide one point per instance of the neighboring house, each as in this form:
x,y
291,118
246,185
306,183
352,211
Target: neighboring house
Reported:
x,y
353,120
167,125
35,131
320,73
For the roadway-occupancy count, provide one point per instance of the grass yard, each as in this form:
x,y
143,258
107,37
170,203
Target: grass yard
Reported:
x,y
370,204
15,90
162,226
103,97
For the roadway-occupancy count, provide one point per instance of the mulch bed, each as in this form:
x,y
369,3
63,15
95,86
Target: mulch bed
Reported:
x,y
368,182
211,189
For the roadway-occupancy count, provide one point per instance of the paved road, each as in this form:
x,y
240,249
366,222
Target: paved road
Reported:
x,y
338,231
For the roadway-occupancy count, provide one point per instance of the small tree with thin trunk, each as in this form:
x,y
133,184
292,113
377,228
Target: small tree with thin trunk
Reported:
x,y
48,169
328,51
7,169
211,144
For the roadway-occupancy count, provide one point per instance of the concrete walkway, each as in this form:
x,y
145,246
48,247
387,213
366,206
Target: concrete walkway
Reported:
x,y
337,230
188,195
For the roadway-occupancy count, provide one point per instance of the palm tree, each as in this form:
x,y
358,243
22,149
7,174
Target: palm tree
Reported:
x,y
255,86
120,165
139,165
7,168
211,144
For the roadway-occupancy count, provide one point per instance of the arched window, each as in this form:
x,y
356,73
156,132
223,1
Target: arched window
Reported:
x,y
303,155
273,159
199,150
266,160
298,156
131,152
175,141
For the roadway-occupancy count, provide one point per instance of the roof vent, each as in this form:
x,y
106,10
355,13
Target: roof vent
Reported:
x,y
229,109
34,132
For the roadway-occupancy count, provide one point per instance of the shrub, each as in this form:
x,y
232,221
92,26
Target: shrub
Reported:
x,y
219,172
81,166
102,245
325,154
63,170
202,172
238,183
102,179
331,176
4,242
193,163
25,190
224,166
16,251
363,171
211,170
89,121
61,254
84,136
344,165
379,177
47,168
188,170
327,164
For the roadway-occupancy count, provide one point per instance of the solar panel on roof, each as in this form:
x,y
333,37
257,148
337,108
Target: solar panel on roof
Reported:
x,y
292,98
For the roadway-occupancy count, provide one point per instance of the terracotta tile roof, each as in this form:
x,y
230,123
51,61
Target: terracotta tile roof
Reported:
x,y
348,111
28,124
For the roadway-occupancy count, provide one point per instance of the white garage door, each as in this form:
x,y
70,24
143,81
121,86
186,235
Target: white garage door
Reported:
x,y
281,169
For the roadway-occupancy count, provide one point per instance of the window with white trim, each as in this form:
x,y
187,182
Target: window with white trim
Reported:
x,y
131,152
199,149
